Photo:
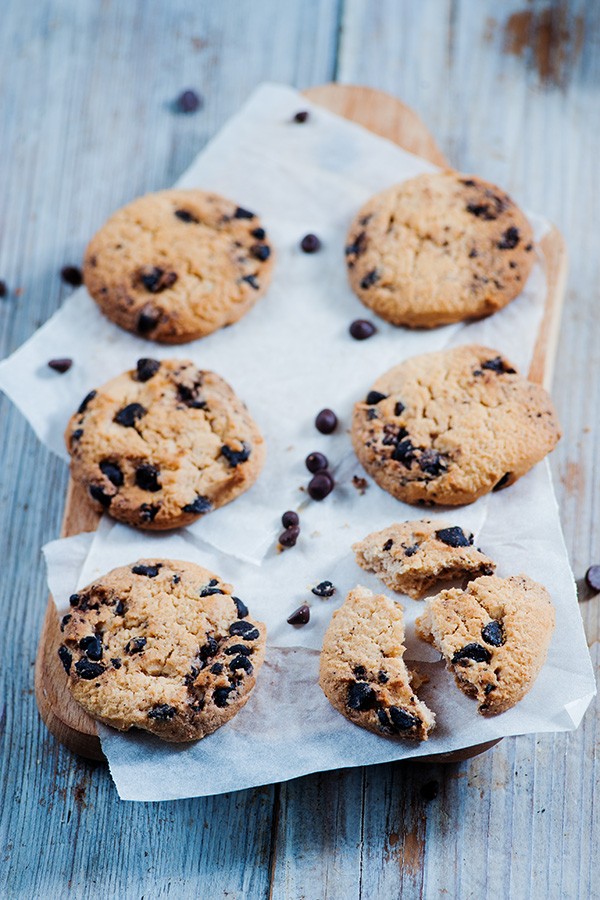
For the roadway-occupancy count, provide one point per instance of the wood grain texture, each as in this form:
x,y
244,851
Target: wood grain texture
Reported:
x,y
85,124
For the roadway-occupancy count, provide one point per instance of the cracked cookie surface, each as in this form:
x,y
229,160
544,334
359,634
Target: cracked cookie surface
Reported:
x,y
362,672
450,426
177,265
411,557
163,444
494,637
439,248
161,645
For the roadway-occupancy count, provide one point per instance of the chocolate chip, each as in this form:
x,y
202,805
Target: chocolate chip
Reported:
x,y
112,472
135,645
235,457
323,589
260,251
497,365
475,652
162,712
360,672
116,663
326,421
189,395
217,668
509,239
91,646
221,696
65,657
241,662
370,279
186,216
592,578
239,648
146,369
430,790
211,589
361,696
176,578
300,616
61,365
148,511
473,253
382,677
120,608
199,505
146,477
310,243
432,463
74,600
289,537
290,518
404,453
401,719
188,101
242,213
244,629
88,670
358,246
374,397
454,537
259,233
209,649
388,545
320,485
71,275
488,689
252,281
399,408
86,401
148,571
157,280
361,329
487,211
242,609
148,319
129,415
76,435
301,116
65,621
493,633
410,551
316,462
98,493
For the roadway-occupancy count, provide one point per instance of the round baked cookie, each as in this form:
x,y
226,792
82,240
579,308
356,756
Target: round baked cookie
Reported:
x,y
161,645
411,557
494,637
177,265
163,444
362,672
447,427
439,248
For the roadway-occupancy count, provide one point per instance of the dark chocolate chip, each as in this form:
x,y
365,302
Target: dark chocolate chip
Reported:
x,y
116,662
316,462
388,544
493,633
497,365
289,537
71,275
473,253
382,677
320,485
503,482
404,453
326,421
61,365
135,645
146,477
360,672
592,578
234,649
361,329
65,657
112,472
148,571
454,537
221,696
510,239
242,609
401,719
65,621
86,401
370,279
74,599
217,668
176,578
310,243
91,646
211,589
399,408
323,589
474,652
301,117
410,551
87,669
129,415
259,233
148,319
189,396
260,251
241,662
358,246
188,101
252,281
244,629
199,505
375,397
242,213
98,493
120,608
76,435
162,712
300,616
148,511
235,457
488,689
361,696
146,368
186,216
432,463
290,518
209,649
156,280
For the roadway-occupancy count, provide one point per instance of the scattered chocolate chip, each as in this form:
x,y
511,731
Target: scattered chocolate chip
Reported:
x,y
86,401
91,646
76,435
493,633
176,578
404,453
148,571
146,478
382,677
488,689
454,537
388,545
129,415
112,472
60,365
186,216
135,645
430,790
211,589
239,648
99,494
410,551
217,668
301,116
241,662
375,397
244,629
260,251
146,369
323,589
529,248
65,621
509,239
360,672
189,396
399,408
209,649
65,657
148,319
592,578
300,616
259,233
199,505
326,421
120,608
188,101
370,279
384,722
497,365
361,329
316,462
473,253
357,247
310,243
361,484
401,719
320,485
289,537
242,609
242,213
432,463
3,290
116,662
74,599
361,696
71,275
148,511
221,696
252,281
474,652
290,518
87,669
235,457
162,712
156,279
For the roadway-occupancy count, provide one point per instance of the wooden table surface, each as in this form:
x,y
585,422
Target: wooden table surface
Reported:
x,y
512,92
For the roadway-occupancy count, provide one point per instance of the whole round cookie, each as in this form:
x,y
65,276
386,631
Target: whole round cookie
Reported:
x,y
163,444
161,645
439,248
447,427
177,265
494,637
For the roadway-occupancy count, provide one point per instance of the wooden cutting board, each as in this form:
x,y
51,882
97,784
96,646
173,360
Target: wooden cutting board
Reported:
x,y
385,116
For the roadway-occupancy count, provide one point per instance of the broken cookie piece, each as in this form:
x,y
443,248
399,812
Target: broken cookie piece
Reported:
x,y
410,557
494,637
362,672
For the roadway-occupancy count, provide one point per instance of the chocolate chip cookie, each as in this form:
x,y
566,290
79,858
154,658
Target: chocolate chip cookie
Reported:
x,y
176,265
439,248
362,672
450,426
161,645
411,557
163,444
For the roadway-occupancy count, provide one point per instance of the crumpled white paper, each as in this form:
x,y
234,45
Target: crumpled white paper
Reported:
x,y
287,359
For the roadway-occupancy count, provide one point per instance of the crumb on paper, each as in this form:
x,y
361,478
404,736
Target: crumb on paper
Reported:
x,y
361,484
